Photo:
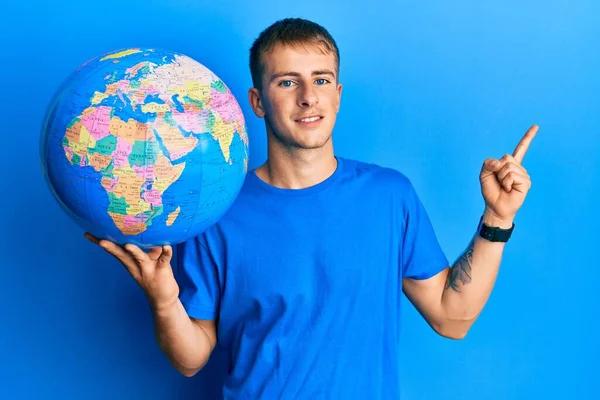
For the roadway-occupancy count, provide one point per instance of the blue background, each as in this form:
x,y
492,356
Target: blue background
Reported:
x,y
432,88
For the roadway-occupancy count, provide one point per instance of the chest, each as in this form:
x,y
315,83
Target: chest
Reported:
x,y
304,258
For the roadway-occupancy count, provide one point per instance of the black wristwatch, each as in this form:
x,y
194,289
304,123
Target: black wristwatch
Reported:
x,y
494,233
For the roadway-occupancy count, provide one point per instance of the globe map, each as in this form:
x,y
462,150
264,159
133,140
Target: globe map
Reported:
x,y
144,146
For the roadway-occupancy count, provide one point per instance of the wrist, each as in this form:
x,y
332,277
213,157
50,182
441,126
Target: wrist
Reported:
x,y
163,307
492,219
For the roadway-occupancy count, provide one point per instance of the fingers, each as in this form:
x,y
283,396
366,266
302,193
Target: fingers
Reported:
x,y
155,252
512,175
145,265
506,165
119,253
521,185
165,256
515,181
138,254
523,145
490,165
161,254
137,261
508,171
493,165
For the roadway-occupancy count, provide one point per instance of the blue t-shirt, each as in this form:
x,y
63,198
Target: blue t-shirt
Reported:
x,y
306,283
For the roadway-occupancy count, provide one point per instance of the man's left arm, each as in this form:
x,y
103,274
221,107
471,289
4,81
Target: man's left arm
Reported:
x,y
453,299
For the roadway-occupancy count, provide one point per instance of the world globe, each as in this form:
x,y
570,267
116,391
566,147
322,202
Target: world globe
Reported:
x,y
144,146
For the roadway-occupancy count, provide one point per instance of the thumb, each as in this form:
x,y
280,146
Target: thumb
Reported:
x,y
492,165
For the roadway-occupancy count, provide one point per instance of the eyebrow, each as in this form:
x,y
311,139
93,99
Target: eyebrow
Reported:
x,y
296,74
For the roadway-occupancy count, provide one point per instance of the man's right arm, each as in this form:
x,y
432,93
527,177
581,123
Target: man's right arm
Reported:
x,y
187,342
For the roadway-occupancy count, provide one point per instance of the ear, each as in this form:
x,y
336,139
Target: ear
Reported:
x,y
254,99
339,97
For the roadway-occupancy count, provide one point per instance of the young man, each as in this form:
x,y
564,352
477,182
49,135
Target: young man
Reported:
x,y
302,278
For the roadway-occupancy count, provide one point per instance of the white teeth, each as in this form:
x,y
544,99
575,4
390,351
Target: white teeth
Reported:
x,y
310,119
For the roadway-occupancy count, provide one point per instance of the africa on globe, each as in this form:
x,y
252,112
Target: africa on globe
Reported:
x,y
144,146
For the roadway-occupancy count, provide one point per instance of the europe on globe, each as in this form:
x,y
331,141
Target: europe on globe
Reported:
x,y
144,146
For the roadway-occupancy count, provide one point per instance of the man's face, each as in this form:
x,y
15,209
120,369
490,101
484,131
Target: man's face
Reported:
x,y
299,98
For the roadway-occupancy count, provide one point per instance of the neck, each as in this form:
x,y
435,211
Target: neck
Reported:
x,y
298,169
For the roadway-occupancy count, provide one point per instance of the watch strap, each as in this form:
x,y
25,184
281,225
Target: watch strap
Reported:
x,y
494,233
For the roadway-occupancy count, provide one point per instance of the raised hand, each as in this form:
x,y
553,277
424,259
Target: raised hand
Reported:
x,y
504,182
151,270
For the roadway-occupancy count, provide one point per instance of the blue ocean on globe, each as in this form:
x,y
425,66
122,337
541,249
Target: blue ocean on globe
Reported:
x,y
144,146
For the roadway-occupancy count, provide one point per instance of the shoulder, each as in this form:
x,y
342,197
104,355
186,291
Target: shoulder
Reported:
x,y
381,186
377,176
238,218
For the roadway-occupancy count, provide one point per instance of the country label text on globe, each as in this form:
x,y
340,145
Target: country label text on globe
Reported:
x,y
144,146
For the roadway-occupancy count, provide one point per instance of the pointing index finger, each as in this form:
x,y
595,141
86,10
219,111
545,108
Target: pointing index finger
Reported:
x,y
523,145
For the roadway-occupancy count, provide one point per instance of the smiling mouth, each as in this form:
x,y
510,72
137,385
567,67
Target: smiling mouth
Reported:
x,y
309,119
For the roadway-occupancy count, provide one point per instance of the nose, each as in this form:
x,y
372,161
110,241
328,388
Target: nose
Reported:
x,y
307,96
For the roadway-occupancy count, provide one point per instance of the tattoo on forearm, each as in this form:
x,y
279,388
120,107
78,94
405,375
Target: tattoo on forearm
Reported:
x,y
460,274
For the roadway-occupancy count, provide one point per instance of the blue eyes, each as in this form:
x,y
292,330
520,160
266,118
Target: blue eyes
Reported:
x,y
289,83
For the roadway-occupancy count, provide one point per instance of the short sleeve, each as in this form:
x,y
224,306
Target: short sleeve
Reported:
x,y
422,256
198,277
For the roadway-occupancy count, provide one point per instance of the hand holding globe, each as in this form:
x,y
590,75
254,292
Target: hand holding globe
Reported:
x,y
151,270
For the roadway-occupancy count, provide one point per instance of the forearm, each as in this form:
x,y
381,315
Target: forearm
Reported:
x,y
472,277
185,343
